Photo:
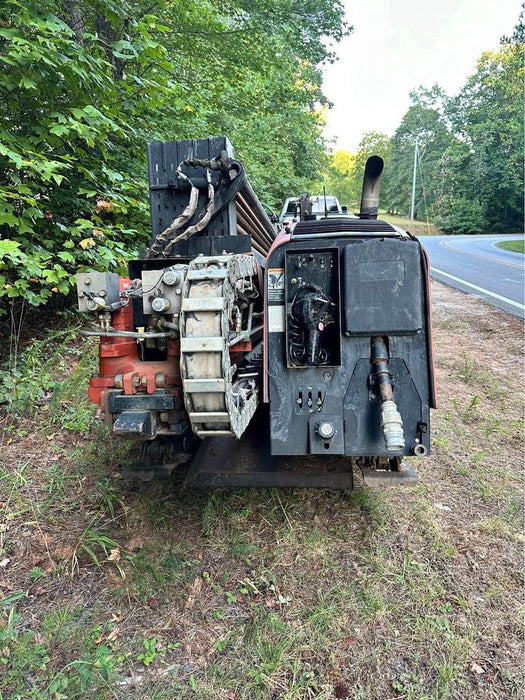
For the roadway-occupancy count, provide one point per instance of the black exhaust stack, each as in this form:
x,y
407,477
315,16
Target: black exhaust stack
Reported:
x,y
371,187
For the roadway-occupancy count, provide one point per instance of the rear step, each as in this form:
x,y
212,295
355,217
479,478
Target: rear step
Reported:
x,y
406,476
225,462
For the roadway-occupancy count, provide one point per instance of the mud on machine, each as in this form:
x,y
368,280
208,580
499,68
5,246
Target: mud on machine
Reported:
x,y
241,355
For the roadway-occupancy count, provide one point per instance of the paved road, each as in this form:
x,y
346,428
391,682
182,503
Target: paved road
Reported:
x,y
475,265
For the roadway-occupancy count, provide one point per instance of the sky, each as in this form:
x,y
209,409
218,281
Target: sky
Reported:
x,y
398,45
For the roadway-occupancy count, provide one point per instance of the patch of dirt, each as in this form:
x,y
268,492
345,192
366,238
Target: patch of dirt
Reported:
x,y
375,594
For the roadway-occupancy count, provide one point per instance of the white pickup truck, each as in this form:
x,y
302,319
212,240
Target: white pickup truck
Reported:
x,y
323,206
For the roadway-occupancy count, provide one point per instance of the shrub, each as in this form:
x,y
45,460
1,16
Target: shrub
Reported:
x,y
465,216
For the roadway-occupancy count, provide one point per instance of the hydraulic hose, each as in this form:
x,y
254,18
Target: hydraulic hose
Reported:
x,y
127,334
391,422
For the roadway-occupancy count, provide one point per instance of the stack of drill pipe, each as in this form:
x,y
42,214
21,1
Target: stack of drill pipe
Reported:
x,y
253,220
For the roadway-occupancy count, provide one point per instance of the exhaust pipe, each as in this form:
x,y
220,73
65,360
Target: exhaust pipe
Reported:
x,y
371,187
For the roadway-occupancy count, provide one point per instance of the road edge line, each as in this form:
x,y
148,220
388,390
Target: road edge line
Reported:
x,y
479,289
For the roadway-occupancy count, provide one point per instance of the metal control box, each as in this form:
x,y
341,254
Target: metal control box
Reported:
x,y
97,289
162,289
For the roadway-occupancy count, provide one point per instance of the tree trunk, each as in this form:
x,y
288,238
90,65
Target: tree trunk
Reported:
x,y
75,19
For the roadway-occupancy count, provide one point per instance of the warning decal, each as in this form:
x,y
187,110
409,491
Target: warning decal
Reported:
x,y
276,319
276,285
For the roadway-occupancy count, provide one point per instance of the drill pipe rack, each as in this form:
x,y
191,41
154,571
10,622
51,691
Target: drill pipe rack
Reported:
x,y
231,217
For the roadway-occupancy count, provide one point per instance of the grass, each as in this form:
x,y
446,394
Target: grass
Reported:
x,y
517,246
112,590
418,228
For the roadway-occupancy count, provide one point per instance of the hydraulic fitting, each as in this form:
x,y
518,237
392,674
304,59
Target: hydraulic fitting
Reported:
x,y
160,305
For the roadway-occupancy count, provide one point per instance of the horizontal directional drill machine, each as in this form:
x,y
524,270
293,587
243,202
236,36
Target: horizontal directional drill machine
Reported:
x,y
239,355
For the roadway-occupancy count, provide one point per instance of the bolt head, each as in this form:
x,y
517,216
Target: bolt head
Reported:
x,y
326,430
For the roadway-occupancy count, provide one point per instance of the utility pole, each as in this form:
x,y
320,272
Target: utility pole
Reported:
x,y
413,203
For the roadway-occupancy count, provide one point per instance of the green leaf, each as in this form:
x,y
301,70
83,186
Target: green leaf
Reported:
x,y
50,276
82,224
15,157
26,82
9,219
8,247
59,129
32,269
25,226
10,33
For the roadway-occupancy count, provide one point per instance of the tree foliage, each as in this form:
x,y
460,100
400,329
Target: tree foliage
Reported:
x,y
426,126
339,177
488,116
471,148
85,84
343,177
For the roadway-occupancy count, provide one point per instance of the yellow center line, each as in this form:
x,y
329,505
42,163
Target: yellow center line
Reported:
x,y
445,244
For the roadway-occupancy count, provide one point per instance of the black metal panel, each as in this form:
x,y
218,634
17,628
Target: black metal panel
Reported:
x,y
317,270
170,194
168,198
225,461
383,289
347,390
342,225
362,409
140,425
158,401
216,245
336,444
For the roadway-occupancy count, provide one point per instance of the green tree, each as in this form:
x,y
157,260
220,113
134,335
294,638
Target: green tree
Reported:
x,y
464,216
471,146
487,116
428,127
83,87
339,177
